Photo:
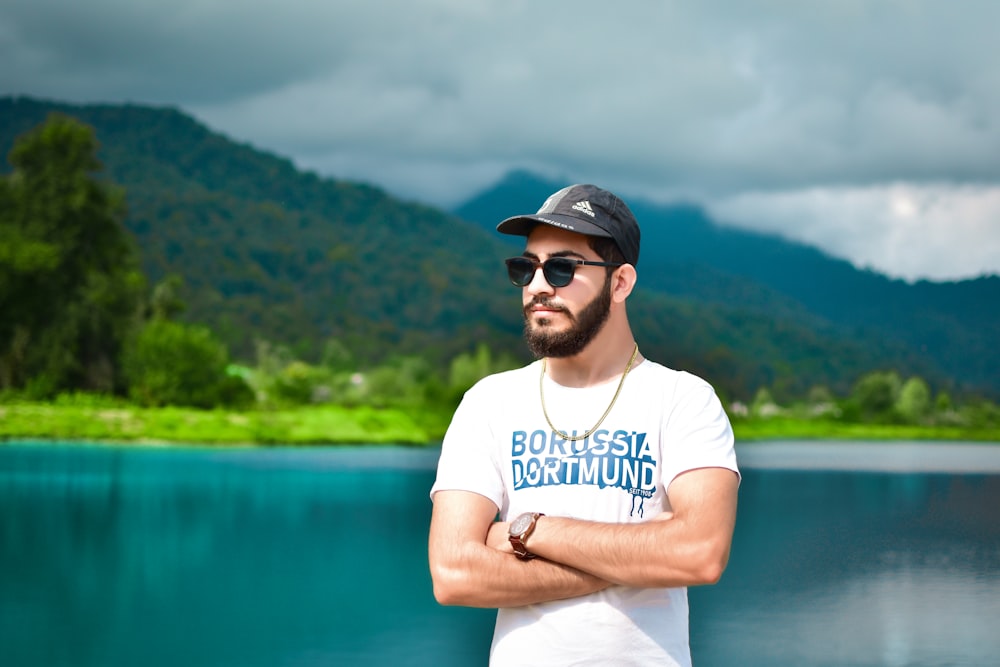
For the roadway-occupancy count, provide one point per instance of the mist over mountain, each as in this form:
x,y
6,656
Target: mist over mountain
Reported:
x,y
269,252
686,253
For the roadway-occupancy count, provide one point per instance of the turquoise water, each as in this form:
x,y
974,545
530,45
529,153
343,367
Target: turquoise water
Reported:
x,y
297,557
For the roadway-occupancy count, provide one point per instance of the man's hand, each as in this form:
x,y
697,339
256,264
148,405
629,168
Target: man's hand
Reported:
x,y
499,537
687,546
471,565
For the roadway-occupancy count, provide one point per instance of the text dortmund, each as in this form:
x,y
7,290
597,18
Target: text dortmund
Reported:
x,y
617,459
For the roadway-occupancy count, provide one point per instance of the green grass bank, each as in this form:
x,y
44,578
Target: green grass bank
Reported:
x,y
291,426
113,422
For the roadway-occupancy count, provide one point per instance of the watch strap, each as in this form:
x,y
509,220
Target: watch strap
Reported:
x,y
518,541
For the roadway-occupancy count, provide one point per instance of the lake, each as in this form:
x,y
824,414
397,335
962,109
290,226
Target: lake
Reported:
x,y
844,554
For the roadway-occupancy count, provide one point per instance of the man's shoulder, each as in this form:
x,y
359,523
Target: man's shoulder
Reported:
x,y
502,379
654,371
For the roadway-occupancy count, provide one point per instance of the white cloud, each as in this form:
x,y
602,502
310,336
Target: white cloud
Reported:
x,y
705,99
941,231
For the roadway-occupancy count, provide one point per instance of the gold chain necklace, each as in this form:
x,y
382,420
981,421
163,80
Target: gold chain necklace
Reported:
x,y
574,438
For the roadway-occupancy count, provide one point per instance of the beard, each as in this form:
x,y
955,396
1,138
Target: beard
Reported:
x,y
584,326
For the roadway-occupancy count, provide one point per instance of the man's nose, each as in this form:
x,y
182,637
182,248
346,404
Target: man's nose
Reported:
x,y
538,284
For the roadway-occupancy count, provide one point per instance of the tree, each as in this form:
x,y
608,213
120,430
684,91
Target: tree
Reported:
x,y
942,403
169,363
468,368
914,402
166,302
763,404
70,287
875,395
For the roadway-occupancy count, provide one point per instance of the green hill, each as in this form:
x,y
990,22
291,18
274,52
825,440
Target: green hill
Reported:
x,y
269,252
946,329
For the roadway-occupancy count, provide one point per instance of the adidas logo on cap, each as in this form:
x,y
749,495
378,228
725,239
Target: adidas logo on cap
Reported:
x,y
584,207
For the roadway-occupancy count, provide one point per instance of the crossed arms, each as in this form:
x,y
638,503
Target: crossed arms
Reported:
x,y
473,565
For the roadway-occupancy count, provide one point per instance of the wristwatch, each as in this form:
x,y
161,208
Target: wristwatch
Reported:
x,y
520,529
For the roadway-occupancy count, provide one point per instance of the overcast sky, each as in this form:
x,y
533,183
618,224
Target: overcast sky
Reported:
x,y
868,128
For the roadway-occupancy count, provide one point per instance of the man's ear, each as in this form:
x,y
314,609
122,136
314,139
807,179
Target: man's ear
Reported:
x,y
622,283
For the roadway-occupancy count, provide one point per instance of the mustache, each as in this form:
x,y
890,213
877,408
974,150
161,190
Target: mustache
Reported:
x,y
543,302
548,304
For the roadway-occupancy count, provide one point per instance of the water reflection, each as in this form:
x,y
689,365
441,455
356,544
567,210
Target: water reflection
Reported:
x,y
117,556
857,569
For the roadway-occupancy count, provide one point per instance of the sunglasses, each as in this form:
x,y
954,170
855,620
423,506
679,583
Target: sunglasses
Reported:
x,y
558,271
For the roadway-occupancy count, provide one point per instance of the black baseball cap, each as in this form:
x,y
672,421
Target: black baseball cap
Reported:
x,y
584,209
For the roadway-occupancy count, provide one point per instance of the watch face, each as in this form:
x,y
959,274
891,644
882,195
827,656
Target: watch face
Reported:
x,y
521,524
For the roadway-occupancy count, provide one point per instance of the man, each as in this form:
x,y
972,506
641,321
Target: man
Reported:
x,y
614,477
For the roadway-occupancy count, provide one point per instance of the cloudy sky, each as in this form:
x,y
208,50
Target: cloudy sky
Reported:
x,y
870,128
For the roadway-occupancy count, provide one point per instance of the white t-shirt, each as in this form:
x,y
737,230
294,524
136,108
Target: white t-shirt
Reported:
x,y
499,445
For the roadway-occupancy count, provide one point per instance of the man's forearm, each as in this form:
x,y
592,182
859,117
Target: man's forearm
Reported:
x,y
472,563
484,577
642,555
690,548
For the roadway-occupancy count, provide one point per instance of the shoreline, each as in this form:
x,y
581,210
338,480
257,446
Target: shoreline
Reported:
x,y
332,425
927,456
847,456
172,426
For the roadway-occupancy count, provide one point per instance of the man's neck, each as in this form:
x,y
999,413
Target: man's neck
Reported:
x,y
603,360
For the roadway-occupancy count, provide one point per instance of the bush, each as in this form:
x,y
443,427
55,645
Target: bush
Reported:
x,y
299,383
468,368
914,402
169,363
875,395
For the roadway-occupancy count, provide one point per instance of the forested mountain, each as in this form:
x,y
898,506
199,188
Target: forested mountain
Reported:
x,y
269,252
953,325
272,253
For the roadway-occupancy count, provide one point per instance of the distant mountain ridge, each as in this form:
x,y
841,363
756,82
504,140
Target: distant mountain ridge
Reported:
x,y
686,253
269,252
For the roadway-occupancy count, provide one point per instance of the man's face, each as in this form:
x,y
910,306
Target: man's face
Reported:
x,y
562,321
